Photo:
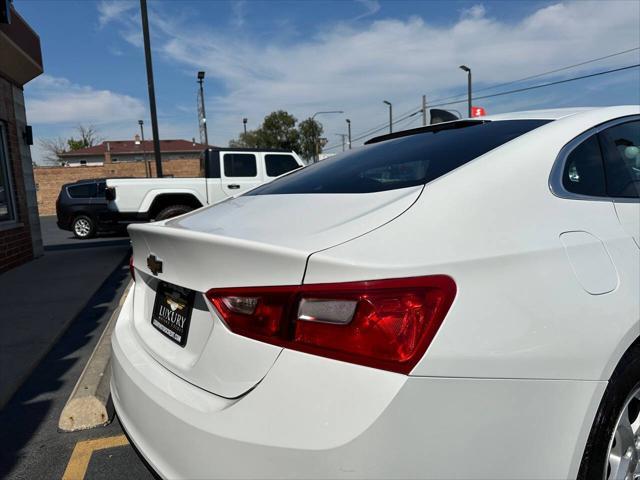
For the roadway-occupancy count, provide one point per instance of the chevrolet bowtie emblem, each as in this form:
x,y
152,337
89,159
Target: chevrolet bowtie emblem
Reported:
x,y
154,264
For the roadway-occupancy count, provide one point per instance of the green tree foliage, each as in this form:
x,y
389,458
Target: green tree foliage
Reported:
x,y
279,130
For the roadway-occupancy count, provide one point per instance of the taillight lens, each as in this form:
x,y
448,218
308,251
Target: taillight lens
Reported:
x,y
384,324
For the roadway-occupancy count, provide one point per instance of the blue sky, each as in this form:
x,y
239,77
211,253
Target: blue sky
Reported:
x,y
308,56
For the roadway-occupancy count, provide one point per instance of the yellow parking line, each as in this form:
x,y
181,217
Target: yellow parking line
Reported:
x,y
79,461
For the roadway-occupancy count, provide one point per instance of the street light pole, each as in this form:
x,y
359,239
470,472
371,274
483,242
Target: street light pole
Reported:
x,y
317,139
349,132
147,170
244,124
390,115
468,70
204,113
152,93
424,110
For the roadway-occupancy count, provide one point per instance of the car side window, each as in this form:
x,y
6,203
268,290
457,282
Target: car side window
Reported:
x,y
621,149
101,188
278,164
86,190
240,165
583,170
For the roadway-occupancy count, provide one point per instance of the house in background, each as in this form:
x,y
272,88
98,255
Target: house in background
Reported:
x,y
122,151
20,62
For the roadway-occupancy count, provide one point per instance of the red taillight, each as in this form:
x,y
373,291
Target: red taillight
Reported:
x,y
132,270
384,324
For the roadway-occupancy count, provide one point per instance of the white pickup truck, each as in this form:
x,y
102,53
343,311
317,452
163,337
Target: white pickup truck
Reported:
x,y
224,172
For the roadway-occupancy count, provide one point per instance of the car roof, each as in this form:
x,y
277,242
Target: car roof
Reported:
x,y
548,114
558,113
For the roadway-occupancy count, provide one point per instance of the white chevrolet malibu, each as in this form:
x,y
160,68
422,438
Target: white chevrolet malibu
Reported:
x,y
460,300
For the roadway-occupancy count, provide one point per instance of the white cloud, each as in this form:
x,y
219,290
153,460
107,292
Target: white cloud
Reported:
x,y
353,68
371,8
55,100
238,12
109,11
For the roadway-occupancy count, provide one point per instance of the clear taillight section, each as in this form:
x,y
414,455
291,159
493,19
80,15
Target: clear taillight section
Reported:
x,y
385,324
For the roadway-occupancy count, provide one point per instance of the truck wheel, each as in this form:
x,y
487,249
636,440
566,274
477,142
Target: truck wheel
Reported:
x,y
83,227
172,211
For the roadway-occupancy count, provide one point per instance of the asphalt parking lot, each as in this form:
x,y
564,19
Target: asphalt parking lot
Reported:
x,y
62,301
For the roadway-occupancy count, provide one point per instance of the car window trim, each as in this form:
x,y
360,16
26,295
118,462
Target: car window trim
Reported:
x,y
555,177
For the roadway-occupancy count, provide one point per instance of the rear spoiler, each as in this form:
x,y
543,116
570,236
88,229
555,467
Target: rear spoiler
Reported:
x,y
429,128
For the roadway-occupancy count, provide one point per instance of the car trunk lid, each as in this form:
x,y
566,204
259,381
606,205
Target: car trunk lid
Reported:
x,y
246,241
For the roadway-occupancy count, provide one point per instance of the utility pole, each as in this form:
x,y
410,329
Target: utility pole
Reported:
x,y
349,132
204,113
468,70
152,93
244,124
147,169
390,115
343,136
424,110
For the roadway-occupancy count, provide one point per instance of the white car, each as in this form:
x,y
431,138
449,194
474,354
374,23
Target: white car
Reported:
x,y
461,300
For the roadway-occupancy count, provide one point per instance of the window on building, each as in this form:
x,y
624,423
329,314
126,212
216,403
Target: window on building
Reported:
x,y
280,164
83,163
240,165
7,212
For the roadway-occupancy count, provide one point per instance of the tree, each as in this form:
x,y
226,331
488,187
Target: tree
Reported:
x,y
310,138
278,130
53,147
88,138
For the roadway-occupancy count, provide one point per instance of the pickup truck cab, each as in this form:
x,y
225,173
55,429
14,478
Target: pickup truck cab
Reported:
x,y
225,172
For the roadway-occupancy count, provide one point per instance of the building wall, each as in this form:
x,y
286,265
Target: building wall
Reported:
x,y
49,180
20,239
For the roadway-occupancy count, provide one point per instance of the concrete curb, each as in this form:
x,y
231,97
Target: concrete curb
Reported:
x,y
89,404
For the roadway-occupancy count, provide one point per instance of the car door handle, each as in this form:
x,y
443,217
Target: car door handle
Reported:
x,y
233,186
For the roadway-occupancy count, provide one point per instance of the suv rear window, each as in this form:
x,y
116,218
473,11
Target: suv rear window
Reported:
x,y
85,190
401,162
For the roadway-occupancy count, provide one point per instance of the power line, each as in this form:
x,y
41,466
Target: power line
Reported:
x,y
549,84
531,77
440,103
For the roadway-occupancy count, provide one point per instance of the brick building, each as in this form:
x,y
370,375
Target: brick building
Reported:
x,y
49,180
121,151
20,62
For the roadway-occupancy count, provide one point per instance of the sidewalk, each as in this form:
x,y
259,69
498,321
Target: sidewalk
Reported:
x,y
40,299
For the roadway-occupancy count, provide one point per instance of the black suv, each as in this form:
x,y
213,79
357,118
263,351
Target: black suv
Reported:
x,y
82,209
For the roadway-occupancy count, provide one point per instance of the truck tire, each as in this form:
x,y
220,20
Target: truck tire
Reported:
x,y
172,211
83,227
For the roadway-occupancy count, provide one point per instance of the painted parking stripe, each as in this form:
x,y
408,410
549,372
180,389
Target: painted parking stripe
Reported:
x,y
79,461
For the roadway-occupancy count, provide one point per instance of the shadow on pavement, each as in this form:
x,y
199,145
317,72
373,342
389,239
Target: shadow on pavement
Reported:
x,y
85,244
32,414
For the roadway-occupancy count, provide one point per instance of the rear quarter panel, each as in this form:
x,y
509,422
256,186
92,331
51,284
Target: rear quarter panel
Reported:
x,y
494,226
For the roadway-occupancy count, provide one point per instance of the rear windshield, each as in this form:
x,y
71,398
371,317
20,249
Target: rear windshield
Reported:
x,y
402,162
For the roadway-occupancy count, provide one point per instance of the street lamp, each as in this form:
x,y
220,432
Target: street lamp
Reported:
x,y
349,132
390,115
317,140
204,115
468,70
244,124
